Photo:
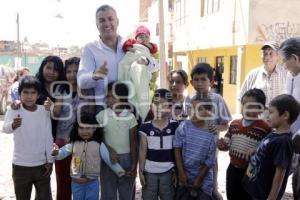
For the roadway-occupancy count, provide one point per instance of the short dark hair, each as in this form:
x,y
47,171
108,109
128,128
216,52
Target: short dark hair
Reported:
x,y
159,93
104,8
181,73
258,94
29,82
86,119
203,68
287,103
119,89
70,61
289,47
162,93
204,101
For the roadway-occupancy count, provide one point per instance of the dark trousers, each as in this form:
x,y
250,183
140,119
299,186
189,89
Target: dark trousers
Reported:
x,y
234,187
63,179
25,177
184,193
296,182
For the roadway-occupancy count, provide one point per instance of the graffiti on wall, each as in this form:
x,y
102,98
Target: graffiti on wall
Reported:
x,y
278,31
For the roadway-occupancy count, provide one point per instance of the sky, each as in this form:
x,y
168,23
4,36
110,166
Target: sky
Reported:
x,y
38,21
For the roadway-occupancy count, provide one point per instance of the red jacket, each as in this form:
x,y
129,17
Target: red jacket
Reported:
x,y
130,42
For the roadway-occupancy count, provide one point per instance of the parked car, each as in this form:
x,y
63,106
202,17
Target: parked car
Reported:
x,y
6,80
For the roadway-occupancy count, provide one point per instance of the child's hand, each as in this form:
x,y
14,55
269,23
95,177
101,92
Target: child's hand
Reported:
x,y
17,122
55,150
48,103
114,158
250,152
183,180
142,178
213,129
174,179
222,145
132,171
197,183
16,105
48,167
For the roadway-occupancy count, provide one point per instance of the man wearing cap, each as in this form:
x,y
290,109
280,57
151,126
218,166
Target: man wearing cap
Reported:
x,y
270,77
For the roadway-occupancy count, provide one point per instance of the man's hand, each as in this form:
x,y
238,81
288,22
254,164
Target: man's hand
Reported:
x,y
17,122
143,61
48,167
101,72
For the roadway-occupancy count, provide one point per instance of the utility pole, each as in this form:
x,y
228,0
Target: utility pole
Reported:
x,y
162,52
18,59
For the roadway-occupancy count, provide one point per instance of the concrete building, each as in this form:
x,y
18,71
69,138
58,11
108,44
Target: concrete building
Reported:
x,y
227,34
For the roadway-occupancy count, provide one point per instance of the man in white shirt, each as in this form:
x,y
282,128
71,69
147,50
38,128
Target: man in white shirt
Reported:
x,y
289,52
270,78
100,59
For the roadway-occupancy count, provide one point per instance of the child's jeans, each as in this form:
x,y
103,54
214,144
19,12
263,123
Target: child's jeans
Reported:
x,y
111,184
234,186
158,185
25,177
86,191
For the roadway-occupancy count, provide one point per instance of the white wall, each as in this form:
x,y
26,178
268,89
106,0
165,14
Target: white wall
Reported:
x,y
274,20
213,30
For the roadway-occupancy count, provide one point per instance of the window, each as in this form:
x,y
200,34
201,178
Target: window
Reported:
x,y
179,12
233,69
202,60
212,6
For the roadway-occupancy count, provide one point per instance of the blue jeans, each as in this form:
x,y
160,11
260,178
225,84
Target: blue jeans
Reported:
x,y
86,191
158,185
112,185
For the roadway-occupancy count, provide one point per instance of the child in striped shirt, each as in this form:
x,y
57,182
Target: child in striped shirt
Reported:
x,y
242,139
156,158
195,152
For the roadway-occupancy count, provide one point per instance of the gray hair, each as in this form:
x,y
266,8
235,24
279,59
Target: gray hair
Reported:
x,y
289,47
104,8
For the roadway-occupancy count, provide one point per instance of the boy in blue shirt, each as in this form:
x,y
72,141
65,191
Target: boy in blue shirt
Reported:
x,y
202,80
268,170
195,152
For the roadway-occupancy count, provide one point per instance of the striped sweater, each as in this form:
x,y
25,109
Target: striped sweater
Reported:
x,y
241,139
